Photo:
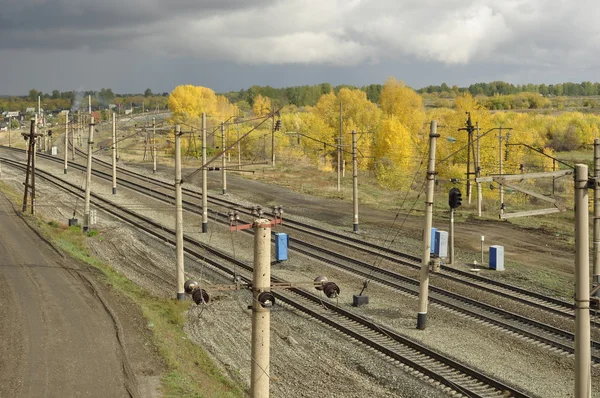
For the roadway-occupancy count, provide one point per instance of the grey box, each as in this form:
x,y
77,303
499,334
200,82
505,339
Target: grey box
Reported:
x,y
358,300
441,244
497,258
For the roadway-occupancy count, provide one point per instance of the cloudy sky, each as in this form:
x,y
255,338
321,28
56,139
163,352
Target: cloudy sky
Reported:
x,y
129,45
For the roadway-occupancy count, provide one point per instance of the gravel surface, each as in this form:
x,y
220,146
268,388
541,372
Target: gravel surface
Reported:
x,y
308,359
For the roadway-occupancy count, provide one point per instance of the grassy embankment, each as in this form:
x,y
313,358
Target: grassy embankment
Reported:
x,y
190,372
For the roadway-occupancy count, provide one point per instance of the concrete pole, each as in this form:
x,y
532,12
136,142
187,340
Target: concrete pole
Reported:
x,y
114,154
596,251
154,145
66,141
33,157
239,148
73,141
582,293
204,178
273,143
354,181
40,108
88,179
500,186
261,317
90,103
478,174
179,215
339,153
223,160
424,280
451,236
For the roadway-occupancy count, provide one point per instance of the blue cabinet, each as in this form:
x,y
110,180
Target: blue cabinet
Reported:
x,y
281,246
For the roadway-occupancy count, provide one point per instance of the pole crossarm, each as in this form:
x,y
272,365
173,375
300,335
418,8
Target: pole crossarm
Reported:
x,y
520,177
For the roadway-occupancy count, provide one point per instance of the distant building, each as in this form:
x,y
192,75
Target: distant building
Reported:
x,y
111,106
128,111
30,110
9,114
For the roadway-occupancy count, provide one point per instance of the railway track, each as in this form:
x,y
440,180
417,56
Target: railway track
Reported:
x,y
438,369
502,289
542,334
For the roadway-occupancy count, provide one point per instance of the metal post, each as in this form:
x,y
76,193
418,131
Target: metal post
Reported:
x,y
261,316
354,181
451,236
469,145
9,130
204,178
582,295
154,145
66,141
500,186
478,173
179,215
596,251
223,159
424,281
114,154
33,157
88,179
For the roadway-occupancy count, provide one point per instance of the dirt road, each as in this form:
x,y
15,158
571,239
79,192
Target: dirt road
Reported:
x,y
59,337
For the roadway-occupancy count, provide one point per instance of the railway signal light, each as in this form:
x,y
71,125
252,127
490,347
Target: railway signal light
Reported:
x,y
454,198
277,126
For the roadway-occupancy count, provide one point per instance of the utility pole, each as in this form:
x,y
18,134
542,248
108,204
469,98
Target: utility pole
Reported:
x,y
154,145
9,130
273,142
582,295
73,140
354,181
90,103
500,186
339,153
223,160
30,171
88,179
114,154
39,107
66,141
596,251
179,215
204,178
239,147
469,129
478,173
424,280
261,315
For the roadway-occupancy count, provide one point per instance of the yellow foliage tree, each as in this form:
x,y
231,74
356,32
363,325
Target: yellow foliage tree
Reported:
x,y
187,103
261,105
405,104
393,151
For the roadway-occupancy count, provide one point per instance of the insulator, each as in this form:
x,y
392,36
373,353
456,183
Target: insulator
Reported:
x,y
331,290
266,299
322,280
190,285
201,296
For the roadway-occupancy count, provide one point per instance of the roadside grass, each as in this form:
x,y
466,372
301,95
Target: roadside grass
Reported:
x,y
190,371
